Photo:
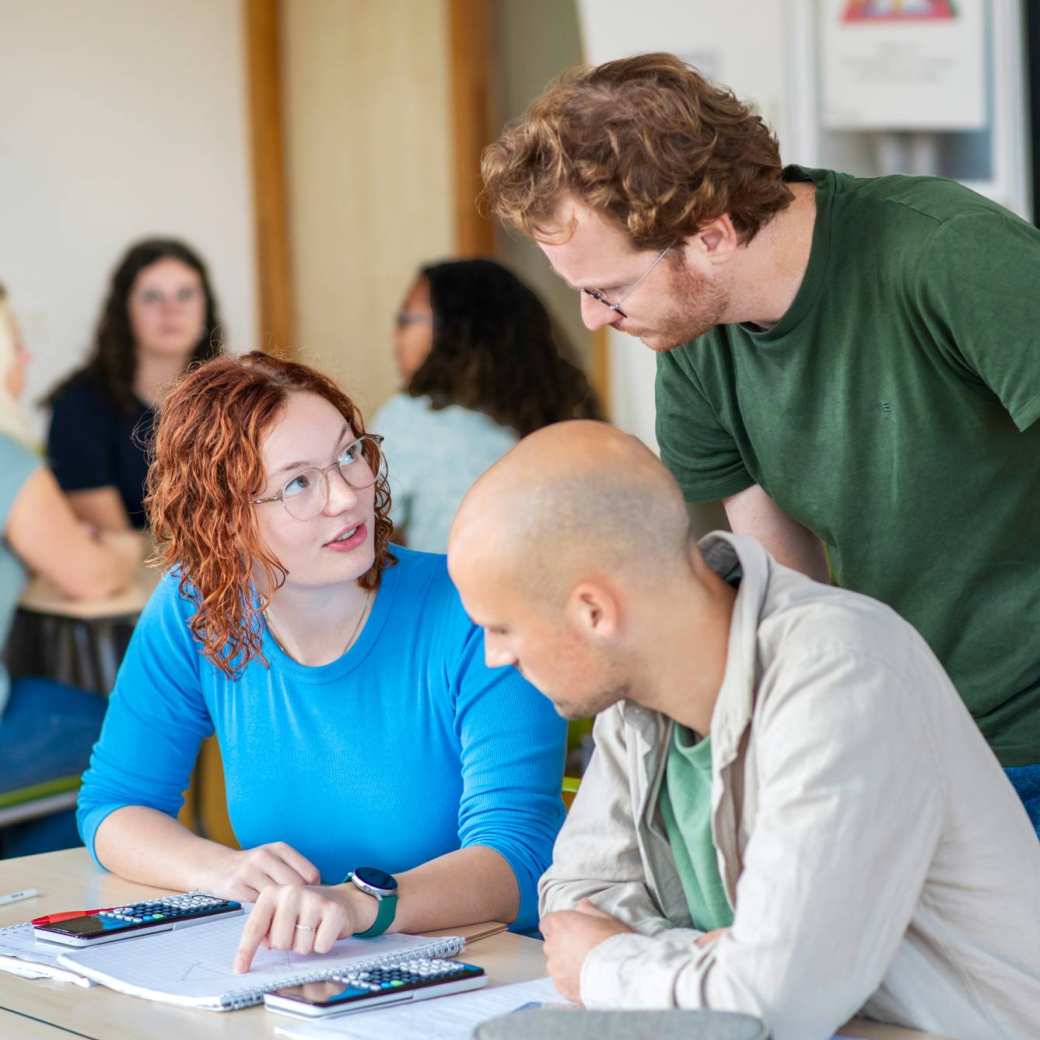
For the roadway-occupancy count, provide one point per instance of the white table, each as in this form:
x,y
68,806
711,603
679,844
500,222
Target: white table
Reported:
x,y
42,1010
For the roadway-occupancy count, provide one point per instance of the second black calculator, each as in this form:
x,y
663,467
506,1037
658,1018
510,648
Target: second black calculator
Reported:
x,y
400,983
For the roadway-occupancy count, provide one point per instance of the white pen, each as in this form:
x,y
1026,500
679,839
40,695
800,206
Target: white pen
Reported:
x,y
17,897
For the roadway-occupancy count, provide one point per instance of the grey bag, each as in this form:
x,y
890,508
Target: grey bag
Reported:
x,y
572,1024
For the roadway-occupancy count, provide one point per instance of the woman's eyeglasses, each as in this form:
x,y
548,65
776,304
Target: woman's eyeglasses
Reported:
x,y
306,493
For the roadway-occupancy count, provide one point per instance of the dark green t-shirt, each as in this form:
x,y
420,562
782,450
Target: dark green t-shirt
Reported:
x,y
892,411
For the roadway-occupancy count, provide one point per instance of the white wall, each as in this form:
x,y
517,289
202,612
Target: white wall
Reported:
x,y
119,119
534,41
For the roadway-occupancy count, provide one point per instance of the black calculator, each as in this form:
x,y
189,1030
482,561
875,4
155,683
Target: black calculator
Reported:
x,y
402,983
125,922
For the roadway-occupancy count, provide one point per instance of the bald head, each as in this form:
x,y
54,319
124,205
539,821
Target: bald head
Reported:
x,y
569,501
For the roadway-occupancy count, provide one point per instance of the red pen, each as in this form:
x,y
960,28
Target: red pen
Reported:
x,y
66,915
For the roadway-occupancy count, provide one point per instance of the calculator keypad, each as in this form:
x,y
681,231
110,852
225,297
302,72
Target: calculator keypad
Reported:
x,y
398,975
170,908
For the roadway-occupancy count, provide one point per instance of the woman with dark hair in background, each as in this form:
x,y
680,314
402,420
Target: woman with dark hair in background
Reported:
x,y
159,317
482,367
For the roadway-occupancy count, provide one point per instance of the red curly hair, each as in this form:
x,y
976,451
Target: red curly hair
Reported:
x,y
205,472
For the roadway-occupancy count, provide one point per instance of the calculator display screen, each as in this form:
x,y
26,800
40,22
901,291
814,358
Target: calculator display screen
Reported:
x,y
89,925
323,994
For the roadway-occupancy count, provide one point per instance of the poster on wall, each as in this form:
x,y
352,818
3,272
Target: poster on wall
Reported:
x,y
903,64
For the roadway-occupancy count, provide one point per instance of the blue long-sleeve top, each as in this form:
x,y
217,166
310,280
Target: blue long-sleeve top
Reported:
x,y
403,749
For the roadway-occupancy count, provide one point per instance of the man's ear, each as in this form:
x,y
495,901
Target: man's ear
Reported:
x,y
593,608
718,238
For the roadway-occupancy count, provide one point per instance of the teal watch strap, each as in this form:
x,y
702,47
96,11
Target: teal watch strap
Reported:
x,y
385,897
384,917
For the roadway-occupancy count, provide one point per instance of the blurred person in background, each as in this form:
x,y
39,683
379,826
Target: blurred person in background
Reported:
x,y
46,728
482,366
160,316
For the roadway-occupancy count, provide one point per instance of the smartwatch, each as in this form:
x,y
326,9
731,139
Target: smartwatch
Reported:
x,y
383,888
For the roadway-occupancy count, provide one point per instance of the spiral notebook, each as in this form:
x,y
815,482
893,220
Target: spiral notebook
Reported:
x,y
192,967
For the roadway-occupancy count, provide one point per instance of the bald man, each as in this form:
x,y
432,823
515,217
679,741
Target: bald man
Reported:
x,y
789,811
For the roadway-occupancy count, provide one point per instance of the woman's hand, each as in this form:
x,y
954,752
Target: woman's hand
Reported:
x,y
129,545
244,875
304,920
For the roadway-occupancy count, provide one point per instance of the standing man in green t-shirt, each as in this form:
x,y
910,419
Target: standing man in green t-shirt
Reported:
x,y
851,365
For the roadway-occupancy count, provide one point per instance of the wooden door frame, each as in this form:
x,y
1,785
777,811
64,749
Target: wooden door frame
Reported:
x,y
469,57
275,291
469,65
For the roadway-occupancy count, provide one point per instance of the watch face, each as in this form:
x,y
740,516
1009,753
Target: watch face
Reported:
x,y
377,878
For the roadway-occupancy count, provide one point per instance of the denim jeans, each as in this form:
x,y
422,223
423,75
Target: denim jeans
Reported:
x,y
47,731
1026,781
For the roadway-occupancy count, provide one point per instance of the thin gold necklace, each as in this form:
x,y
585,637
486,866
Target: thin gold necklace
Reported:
x,y
350,641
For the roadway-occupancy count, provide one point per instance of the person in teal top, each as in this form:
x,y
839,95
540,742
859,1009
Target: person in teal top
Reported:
x,y
358,723
46,727
849,364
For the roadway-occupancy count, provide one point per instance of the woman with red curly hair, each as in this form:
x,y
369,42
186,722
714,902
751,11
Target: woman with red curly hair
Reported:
x,y
356,718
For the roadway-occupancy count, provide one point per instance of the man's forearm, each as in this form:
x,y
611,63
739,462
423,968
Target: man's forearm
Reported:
x,y
753,512
628,901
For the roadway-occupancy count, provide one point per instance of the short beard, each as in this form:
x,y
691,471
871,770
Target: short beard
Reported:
x,y
698,305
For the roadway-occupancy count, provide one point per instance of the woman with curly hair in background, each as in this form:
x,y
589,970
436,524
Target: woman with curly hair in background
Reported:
x,y
357,721
482,367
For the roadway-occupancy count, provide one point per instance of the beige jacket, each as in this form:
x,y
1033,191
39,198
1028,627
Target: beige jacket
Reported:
x,y
878,859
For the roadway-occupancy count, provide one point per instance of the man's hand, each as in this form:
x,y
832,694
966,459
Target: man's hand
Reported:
x,y
709,937
569,936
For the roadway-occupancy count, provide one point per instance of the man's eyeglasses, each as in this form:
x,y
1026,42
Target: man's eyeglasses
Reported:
x,y
306,494
598,296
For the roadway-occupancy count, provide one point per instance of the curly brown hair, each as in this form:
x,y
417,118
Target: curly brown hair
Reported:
x,y
206,471
495,350
646,141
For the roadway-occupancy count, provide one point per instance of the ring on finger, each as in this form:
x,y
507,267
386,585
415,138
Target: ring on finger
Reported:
x,y
304,928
